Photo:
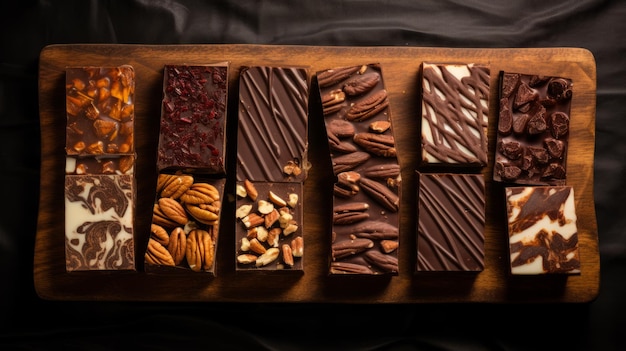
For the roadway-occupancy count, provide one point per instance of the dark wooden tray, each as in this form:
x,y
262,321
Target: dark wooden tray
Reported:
x,y
400,69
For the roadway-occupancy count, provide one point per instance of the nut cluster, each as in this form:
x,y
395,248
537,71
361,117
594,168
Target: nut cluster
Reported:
x,y
269,223
185,222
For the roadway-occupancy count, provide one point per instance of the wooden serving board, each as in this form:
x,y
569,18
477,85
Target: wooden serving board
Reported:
x,y
401,73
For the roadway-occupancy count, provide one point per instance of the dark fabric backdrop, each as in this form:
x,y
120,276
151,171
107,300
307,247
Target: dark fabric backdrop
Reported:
x,y
28,322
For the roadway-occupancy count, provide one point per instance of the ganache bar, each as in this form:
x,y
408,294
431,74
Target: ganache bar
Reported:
x,y
455,114
192,136
542,230
366,193
451,222
533,129
99,216
272,137
100,110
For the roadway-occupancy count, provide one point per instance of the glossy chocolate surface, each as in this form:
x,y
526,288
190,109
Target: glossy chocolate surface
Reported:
x,y
543,231
272,137
533,129
100,110
193,119
455,114
451,222
366,194
99,212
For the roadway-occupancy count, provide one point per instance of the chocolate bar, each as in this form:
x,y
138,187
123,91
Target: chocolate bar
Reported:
x,y
100,110
272,165
533,129
269,230
455,114
185,226
366,194
451,222
99,217
542,230
193,119
272,137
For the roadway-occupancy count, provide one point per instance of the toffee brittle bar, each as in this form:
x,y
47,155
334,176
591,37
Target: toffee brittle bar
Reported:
x,y
366,195
272,166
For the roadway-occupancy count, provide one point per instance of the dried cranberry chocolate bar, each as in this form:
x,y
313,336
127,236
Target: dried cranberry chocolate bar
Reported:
x,y
272,166
185,224
455,114
366,195
100,110
192,135
533,129
99,218
451,222
542,230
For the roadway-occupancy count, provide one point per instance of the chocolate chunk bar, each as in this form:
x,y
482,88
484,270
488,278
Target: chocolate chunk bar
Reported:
x,y
185,227
269,226
451,222
543,234
533,129
272,166
100,110
272,137
99,215
193,119
455,114
366,195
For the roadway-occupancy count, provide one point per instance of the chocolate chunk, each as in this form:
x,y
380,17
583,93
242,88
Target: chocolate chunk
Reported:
x,y
540,119
451,222
542,230
366,193
455,114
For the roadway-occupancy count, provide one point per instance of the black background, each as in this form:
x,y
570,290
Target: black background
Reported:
x,y
27,322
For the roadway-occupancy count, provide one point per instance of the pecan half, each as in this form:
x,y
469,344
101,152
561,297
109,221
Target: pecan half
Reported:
x,y
335,144
383,261
177,245
381,193
200,250
157,254
348,248
349,161
377,144
347,184
333,102
160,218
350,213
368,107
159,234
173,210
376,230
200,193
332,76
205,213
341,128
361,84
382,171
174,186
349,268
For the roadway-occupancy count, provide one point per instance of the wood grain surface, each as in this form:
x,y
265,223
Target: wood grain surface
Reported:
x,y
401,72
